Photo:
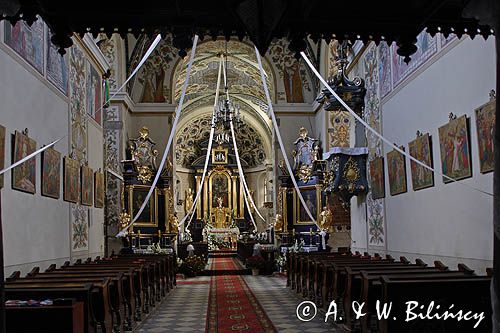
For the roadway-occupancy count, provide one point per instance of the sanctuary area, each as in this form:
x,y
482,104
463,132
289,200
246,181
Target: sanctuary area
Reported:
x,y
249,166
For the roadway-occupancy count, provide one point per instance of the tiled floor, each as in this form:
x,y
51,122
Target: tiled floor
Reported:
x,y
185,308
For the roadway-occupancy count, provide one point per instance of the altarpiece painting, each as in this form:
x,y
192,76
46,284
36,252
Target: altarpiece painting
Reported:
x,y
136,196
396,166
421,149
455,151
24,175
51,173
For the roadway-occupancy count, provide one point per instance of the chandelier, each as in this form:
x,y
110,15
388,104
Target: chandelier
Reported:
x,y
227,110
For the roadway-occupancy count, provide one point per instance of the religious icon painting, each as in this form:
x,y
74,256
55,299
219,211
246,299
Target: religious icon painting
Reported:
x,y
24,175
87,186
2,152
421,149
136,197
396,166
377,178
454,148
71,180
51,173
485,124
313,202
98,189
94,94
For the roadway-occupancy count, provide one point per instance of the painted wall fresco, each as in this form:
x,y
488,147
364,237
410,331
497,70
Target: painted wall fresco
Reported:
x,y
375,207
27,41
57,67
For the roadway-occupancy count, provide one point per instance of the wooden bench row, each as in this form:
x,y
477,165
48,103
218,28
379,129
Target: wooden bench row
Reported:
x,y
348,278
116,291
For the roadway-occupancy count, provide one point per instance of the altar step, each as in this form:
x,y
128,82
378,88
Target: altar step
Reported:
x,y
222,254
236,267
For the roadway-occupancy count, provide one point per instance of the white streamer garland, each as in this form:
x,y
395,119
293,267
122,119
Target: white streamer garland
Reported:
x,y
169,143
280,141
240,169
242,176
209,150
388,142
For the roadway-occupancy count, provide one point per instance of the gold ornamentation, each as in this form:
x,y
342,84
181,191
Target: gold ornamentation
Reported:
x,y
325,219
145,174
351,174
305,173
278,225
124,220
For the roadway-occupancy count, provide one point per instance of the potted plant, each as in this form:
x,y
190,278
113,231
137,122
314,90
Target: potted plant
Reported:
x,y
255,263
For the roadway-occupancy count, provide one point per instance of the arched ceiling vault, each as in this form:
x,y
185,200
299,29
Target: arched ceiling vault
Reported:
x,y
242,70
253,139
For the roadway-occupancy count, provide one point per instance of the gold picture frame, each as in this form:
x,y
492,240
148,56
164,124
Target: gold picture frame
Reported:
x,y
149,216
219,155
312,195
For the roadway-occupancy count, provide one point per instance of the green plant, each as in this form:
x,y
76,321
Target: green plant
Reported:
x,y
255,262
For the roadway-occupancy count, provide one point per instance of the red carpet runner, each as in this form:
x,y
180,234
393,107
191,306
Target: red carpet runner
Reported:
x,y
232,307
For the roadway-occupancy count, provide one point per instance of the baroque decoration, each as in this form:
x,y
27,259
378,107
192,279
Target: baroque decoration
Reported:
x,y
306,152
189,141
143,155
372,115
242,71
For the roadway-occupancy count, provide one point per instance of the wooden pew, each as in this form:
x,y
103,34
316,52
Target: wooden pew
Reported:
x,y
467,294
121,302
97,315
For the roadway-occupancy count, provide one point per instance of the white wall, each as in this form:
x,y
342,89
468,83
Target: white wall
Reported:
x,y
449,221
35,228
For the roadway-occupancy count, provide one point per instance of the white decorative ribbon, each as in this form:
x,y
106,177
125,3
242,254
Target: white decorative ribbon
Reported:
x,y
388,142
169,143
209,150
240,169
120,177
280,141
242,176
30,156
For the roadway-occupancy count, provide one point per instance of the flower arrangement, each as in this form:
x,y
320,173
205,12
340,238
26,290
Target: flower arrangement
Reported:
x,y
255,262
281,262
193,265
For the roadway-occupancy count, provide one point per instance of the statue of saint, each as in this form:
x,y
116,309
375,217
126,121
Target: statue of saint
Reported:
x,y
189,200
278,226
174,223
326,219
221,215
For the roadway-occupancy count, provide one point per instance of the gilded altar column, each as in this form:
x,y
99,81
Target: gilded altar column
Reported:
x,y
205,198
242,200
235,196
198,204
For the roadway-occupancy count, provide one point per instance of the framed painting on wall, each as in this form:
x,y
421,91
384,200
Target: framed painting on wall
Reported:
x,y
396,166
98,189
2,152
485,124
377,178
312,198
454,148
24,175
87,186
421,149
136,196
71,188
51,173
